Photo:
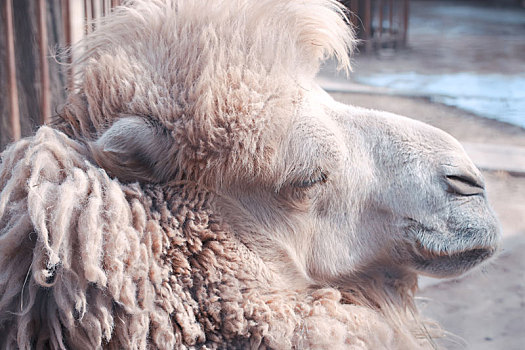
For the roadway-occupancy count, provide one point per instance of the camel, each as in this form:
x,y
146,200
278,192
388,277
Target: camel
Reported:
x,y
200,191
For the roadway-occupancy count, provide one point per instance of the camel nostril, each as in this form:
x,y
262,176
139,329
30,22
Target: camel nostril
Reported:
x,y
465,185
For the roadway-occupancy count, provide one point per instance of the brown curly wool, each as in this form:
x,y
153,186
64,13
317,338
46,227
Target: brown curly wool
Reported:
x,y
89,262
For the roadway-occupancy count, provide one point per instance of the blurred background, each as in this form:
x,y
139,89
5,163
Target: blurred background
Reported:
x,y
457,65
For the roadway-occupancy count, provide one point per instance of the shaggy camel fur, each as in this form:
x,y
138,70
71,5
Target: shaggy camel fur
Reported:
x,y
198,190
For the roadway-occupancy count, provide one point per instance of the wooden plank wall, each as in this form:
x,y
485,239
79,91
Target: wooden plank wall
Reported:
x,y
33,81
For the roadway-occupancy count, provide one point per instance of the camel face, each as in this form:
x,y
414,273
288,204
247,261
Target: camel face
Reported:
x,y
428,196
362,191
324,189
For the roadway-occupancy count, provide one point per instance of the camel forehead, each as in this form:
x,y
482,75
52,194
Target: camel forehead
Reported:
x,y
223,78
180,58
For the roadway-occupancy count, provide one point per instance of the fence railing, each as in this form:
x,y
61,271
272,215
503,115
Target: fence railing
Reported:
x,y
76,18
380,23
14,115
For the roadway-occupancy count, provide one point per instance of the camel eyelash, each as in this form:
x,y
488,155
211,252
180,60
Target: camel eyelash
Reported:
x,y
319,176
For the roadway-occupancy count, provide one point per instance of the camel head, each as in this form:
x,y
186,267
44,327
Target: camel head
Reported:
x,y
359,191
221,95
384,191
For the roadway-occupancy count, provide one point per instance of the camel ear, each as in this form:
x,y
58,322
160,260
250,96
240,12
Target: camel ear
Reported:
x,y
135,149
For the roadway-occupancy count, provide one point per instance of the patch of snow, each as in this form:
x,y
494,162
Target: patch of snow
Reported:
x,y
492,96
485,14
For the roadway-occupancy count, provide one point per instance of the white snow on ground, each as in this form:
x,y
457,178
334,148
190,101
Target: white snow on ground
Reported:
x,y
495,96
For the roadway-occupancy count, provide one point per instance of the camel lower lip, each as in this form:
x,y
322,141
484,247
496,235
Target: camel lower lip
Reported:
x,y
450,264
471,254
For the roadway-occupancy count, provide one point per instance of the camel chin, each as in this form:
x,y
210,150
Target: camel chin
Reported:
x,y
468,236
469,240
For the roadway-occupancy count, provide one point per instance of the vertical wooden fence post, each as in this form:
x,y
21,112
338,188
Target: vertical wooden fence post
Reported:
x,y
66,18
405,21
353,6
87,16
368,26
93,15
391,17
14,114
115,3
44,65
380,29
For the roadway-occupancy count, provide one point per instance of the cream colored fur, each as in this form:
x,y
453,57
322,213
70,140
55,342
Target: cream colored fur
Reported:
x,y
88,261
199,191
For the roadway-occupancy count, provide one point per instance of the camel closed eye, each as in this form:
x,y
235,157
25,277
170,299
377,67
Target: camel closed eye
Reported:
x,y
318,177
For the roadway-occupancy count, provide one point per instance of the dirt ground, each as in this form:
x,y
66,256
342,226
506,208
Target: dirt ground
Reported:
x,y
486,308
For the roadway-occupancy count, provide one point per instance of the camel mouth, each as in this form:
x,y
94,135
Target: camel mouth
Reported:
x,y
450,264
448,254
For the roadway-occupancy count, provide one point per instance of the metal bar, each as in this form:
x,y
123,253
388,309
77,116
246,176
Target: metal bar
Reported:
x,y
368,26
93,15
391,17
87,13
90,15
44,66
14,112
406,11
66,18
357,18
354,9
104,8
380,19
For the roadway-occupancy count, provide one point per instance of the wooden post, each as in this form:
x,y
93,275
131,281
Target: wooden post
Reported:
x,y
44,65
66,18
354,13
406,12
380,29
87,16
391,18
14,114
368,26
93,15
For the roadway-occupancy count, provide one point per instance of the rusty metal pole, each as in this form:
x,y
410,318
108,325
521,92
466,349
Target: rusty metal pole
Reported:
x,y
391,18
93,15
87,14
406,11
44,66
66,17
380,29
368,26
14,114
356,13
355,7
